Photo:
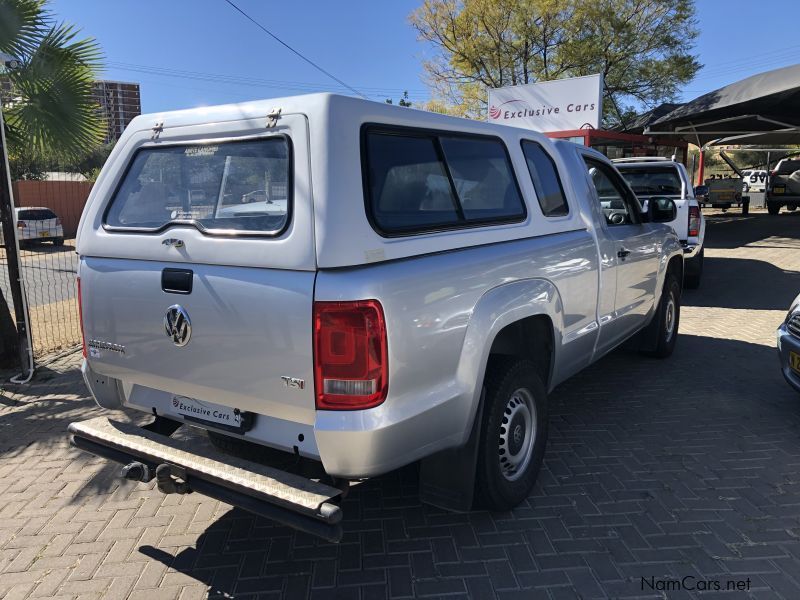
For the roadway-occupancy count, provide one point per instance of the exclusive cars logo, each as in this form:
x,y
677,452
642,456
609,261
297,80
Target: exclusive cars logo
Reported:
x,y
522,109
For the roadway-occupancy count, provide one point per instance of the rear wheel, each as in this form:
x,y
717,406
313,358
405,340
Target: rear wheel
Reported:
x,y
773,208
667,318
791,208
513,433
694,271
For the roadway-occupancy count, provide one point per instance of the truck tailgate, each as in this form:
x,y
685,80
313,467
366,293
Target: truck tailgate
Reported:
x,y
249,328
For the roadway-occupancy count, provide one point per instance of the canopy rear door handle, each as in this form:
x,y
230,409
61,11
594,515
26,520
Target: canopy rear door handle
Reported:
x,y
177,281
623,253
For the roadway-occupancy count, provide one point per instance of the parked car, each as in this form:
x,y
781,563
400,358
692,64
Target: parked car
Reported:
x,y
37,224
754,180
430,280
789,345
662,177
784,186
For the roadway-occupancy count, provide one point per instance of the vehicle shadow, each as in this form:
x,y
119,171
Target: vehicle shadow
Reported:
x,y
37,425
760,285
632,473
722,231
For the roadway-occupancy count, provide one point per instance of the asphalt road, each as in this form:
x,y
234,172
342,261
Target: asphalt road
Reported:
x,y
48,272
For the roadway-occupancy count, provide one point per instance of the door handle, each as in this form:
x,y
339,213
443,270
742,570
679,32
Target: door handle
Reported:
x,y
623,253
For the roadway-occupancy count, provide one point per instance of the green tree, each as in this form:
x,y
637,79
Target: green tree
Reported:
x,y
642,48
47,101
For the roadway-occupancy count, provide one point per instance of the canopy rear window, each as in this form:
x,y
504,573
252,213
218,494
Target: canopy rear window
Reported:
x,y
229,188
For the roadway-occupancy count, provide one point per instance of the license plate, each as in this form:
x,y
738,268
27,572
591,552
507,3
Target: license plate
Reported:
x,y
206,411
725,196
44,234
794,361
778,189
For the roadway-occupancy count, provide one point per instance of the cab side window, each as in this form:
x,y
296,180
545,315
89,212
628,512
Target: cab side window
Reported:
x,y
615,199
546,182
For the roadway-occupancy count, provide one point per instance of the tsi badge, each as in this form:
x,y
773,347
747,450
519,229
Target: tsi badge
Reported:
x,y
294,383
177,325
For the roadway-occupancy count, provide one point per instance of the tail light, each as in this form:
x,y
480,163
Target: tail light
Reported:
x,y
58,222
694,221
80,318
350,356
21,224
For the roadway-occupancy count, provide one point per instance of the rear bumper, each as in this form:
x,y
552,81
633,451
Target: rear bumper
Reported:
x,y
788,343
29,234
295,501
349,444
367,443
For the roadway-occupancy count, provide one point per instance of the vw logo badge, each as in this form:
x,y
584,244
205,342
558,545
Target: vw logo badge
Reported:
x,y
177,325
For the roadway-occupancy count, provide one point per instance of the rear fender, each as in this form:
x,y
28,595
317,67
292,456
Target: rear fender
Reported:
x,y
497,308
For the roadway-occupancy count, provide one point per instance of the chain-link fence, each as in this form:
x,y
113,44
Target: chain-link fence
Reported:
x,y
48,213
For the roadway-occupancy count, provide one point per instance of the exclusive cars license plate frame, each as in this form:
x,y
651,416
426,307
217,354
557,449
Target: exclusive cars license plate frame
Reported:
x,y
212,415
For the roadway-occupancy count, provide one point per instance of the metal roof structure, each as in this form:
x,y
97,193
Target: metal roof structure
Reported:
x,y
761,109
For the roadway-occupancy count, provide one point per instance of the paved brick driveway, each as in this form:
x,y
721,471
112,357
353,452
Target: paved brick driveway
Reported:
x,y
655,470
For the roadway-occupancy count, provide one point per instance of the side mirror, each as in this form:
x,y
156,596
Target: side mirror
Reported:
x,y
661,210
700,190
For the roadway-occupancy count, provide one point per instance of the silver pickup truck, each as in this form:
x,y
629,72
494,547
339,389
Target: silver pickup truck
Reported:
x,y
355,287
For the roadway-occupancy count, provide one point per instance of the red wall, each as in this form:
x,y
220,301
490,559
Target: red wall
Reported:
x,y
65,198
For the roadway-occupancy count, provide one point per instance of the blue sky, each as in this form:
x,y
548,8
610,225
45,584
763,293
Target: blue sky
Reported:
x,y
177,49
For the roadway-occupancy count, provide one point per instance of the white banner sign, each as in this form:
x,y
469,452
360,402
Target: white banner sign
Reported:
x,y
560,105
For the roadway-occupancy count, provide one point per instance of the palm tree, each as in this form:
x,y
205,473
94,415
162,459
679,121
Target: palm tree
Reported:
x,y
46,100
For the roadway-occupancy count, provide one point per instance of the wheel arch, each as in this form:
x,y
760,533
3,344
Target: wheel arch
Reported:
x,y
675,266
502,323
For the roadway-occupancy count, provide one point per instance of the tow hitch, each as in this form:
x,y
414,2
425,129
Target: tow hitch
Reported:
x,y
170,479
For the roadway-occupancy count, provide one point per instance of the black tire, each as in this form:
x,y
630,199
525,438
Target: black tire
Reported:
x,y
694,271
58,241
773,208
667,319
791,208
512,386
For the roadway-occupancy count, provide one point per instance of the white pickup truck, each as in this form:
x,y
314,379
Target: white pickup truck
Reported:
x,y
354,286
658,177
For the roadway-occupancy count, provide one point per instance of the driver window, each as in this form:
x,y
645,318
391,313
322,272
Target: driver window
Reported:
x,y
612,194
